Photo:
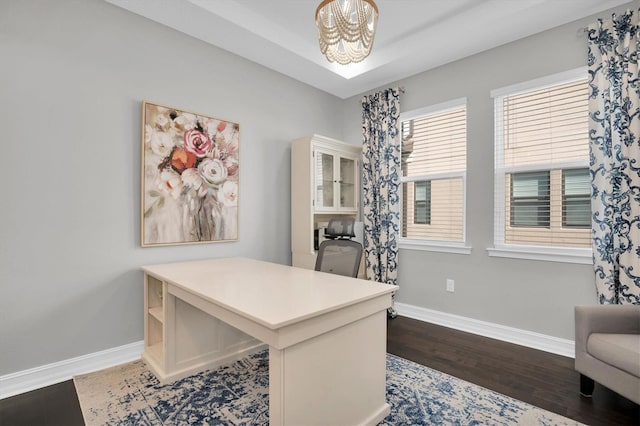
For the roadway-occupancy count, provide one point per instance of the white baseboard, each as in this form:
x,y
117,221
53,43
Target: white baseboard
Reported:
x,y
38,377
530,339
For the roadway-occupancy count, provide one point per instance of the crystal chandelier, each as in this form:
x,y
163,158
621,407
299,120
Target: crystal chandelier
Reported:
x,y
346,29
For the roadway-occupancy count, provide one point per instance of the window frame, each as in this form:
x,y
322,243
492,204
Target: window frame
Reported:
x,y
457,247
523,251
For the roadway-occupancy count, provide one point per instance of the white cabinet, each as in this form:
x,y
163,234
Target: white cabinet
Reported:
x,y
325,183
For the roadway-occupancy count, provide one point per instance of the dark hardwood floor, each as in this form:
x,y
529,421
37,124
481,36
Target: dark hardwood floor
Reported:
x,y
539,378
55,405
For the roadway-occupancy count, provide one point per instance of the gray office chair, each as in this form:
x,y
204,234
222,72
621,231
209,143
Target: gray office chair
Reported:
x,y
338,254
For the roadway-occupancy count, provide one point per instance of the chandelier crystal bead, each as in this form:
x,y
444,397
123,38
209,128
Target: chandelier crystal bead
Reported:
x,y
346,29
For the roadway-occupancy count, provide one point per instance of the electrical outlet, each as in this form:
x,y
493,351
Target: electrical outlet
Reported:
x,y
450,285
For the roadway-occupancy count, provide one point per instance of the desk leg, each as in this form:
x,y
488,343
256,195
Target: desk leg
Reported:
x,y
337,378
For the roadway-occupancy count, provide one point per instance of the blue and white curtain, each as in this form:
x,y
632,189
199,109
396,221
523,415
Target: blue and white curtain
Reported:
x,y
614,137
380,185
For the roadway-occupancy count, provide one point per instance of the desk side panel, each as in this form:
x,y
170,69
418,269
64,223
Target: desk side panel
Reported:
x,y
337,378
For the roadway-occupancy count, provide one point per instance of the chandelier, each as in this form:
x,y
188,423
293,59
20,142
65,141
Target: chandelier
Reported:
x,y
346,29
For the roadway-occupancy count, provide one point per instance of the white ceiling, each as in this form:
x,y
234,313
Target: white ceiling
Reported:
x,y
413,35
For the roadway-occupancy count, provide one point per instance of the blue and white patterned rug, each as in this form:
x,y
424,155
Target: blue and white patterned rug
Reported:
x,y
238,394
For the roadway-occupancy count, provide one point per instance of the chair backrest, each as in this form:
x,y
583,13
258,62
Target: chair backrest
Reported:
x,y
342,227
341,257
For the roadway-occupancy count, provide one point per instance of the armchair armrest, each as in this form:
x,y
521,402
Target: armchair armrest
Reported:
x,y
619,319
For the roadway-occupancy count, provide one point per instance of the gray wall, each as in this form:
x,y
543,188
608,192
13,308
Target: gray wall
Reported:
x,y
531,295
72,79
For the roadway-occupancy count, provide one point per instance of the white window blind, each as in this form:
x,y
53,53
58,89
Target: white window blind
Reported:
x,y
542,179
434,162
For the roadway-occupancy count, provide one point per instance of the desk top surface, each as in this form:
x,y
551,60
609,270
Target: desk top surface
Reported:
x,y
271,294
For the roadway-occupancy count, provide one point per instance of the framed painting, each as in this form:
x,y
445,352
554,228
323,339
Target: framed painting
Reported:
x,y
190,170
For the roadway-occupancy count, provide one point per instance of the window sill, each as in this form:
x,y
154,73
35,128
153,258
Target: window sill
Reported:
x,y
437,246
548,254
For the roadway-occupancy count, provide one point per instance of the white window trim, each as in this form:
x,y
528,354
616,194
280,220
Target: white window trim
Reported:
x,y
517,251
545,253
542,82
432,245
440,107
457,247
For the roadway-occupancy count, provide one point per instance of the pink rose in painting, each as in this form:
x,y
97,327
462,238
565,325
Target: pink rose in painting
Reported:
x,y
221,126
197,142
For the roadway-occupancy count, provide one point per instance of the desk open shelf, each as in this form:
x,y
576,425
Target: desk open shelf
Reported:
x,y
157,313
154,336
181,339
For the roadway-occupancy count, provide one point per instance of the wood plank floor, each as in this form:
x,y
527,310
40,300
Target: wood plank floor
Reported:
x,y
539,378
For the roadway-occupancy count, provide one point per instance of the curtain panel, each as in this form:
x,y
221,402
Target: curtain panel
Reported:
x,y
380,184
614,138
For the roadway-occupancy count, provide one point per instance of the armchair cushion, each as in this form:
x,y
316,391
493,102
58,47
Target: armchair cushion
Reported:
x,y
620,350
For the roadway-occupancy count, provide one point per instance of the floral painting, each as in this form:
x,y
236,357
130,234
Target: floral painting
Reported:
x,y
190,173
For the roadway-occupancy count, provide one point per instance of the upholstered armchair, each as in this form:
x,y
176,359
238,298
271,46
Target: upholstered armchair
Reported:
x,y
608,348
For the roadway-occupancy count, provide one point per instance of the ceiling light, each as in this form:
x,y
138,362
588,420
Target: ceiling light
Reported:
x,y
346,29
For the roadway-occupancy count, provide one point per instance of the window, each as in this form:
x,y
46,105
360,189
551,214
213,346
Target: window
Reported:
x,y
530,199
434,161
542,191
422,202
576,198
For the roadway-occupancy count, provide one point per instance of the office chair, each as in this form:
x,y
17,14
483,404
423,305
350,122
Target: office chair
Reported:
x,y
339,254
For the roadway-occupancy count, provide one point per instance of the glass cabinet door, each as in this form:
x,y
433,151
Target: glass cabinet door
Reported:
x,y
336,182
324,180
347,183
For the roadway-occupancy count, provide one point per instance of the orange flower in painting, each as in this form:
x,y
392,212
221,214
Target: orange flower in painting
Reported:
x,y
181,159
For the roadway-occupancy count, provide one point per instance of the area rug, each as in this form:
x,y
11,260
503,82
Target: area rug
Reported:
x,y
238,394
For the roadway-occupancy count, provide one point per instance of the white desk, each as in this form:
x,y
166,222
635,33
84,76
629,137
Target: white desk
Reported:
x,y
326,334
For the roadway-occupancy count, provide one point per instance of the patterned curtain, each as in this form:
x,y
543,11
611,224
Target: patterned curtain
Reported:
x,y
614,134
380,185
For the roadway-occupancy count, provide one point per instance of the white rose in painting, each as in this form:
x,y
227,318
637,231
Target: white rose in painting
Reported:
x,y
212,171
229,193
161,143
170,183
162,121
185,121
191,179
